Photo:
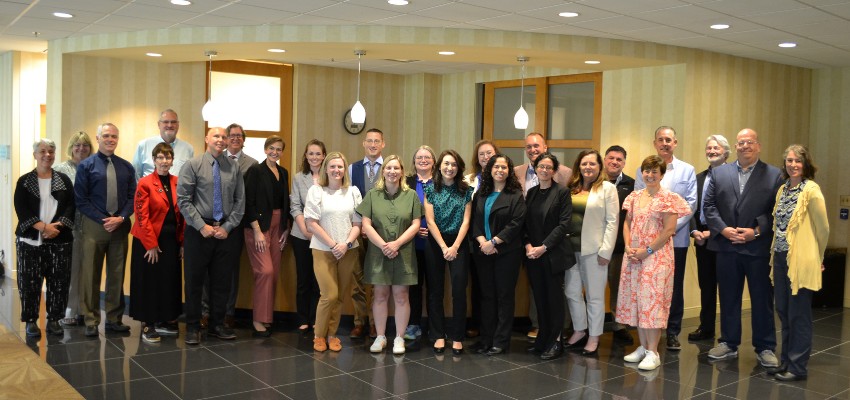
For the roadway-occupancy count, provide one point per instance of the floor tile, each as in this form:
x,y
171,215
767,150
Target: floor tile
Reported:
x,y
180,361
213,382
404,377
758,388
101,372
458,390
649,385
578,369
248,351
523,384
262,394
337,387
467,366
80,352
284,371
148,388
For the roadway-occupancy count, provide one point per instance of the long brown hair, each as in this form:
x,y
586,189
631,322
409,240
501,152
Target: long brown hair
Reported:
x,y
577,180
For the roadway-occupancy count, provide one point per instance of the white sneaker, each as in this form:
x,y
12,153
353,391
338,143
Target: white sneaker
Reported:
x,y
650,362
379,344
636,356
398,345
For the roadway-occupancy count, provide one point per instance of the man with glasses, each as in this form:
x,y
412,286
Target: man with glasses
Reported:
x,y
168,126
364,174
682,180
738,208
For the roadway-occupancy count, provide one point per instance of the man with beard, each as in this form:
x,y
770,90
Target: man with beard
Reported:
x,y
168,126
680,179
716,152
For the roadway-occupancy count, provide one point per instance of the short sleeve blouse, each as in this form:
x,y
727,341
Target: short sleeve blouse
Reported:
x,y
334,209
449,206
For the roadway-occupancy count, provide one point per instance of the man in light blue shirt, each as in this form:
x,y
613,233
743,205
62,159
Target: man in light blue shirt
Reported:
x,y
681,179
168,126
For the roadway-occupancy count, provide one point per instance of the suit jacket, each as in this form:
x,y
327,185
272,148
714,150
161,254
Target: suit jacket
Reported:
x,y
27,200
507,218
151,204
260,187
562,177
599,224
725,205
554,228
625,187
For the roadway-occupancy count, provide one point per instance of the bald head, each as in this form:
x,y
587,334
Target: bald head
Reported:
x,y
216,140
748,147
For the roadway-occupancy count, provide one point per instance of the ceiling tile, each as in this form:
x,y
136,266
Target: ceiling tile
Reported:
x,y
841,10
834,27
821,3
740,8
134,23
296,6
659,33
514,5
197,7
351,12
156,13
577,31
513,23
309,19
412,8
758,36
585,13
632,7
803,16
215,20
459,12
255,14
413,20
680,16
696,42
46,24
616,24
100,6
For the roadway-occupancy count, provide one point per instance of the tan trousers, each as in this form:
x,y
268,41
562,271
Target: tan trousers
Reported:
x,y
334,277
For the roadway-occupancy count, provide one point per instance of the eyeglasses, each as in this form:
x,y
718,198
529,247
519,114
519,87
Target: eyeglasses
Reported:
x,y
236,136
169,121
164,158
423,157
742,143
546,167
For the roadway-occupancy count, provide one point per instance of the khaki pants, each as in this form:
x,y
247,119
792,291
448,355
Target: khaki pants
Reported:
x,y
334,277
97,245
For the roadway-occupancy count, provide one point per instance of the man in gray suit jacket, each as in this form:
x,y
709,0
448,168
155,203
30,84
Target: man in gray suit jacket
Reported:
x,y
738,207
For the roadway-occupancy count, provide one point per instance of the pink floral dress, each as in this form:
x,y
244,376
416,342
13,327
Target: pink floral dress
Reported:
x,y
646,287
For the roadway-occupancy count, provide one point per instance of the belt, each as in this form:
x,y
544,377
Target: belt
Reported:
x,y
212,222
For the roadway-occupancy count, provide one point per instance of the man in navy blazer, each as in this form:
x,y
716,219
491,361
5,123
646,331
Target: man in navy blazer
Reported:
x,y
738,207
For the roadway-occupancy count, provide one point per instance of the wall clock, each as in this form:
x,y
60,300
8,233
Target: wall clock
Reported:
x,y
351,127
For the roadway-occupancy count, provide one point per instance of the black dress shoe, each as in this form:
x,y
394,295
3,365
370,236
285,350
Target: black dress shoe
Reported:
x,y
623,335
193,336
223,333
479,347
494,350
457,352
91,330
533,350
116,327
789,376
701,334
578,344
53,328
554,351
261,334
673,343
32,330
773,371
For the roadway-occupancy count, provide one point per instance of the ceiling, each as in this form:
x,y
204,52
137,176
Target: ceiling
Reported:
x,y
821,28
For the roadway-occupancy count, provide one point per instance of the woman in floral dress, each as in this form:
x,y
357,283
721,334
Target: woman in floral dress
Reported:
x,y
646,280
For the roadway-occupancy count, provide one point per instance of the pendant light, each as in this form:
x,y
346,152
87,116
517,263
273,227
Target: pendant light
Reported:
x,y
211,108
358,112
521,117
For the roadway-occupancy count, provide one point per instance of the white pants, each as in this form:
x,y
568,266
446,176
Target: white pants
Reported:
x,y
591,277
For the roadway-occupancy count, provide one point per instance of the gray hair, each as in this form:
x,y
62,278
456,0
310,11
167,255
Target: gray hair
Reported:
x,y
722,142
101,126
43,141
664,127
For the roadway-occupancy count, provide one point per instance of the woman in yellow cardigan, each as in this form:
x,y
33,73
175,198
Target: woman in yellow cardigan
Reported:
x,y
801,233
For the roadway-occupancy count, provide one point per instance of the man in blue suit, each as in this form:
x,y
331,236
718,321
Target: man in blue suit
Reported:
x,y
738,207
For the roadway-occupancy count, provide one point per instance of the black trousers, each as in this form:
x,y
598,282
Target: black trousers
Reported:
x,y
550,300
498,274
795,314
732,269
459,276
307,287
235,262
51,262
707,278
677,304
202,257
415,295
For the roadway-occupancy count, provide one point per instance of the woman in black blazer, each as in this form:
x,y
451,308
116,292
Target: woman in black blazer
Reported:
x,y
548,253
44,204
267,217
498,220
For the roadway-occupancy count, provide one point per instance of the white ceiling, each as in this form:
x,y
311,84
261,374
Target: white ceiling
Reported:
x,y
821,28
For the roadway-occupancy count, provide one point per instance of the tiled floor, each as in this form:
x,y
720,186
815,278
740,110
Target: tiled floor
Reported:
x,y
114,366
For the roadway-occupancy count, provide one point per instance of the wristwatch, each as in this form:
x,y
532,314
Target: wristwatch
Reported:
x,y
649,250
349,245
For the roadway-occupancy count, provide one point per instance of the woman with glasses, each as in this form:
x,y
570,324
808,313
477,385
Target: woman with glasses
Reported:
x,y
78,149
156,272
420,180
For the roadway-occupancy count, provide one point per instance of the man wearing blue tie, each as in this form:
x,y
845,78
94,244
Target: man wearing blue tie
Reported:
x,y
211,197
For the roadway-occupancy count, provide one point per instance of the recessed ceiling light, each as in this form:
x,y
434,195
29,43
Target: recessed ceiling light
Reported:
x,y
446,53
591,62
153,54
720,26
788,44
62,15
181,2
568,14
398,2
277,51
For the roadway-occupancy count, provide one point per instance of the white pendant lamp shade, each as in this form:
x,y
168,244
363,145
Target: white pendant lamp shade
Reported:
x,y
520,119
358,113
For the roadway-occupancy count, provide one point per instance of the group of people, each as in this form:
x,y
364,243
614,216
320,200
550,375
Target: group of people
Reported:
x,y
374,228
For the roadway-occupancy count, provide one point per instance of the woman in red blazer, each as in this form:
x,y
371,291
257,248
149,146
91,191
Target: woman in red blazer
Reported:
x,y
155,276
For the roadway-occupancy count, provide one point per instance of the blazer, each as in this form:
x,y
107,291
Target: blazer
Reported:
x,y
301,184
562,177
599,224
555,227
507,219
260,187
625,187
151,207
725,205
27,199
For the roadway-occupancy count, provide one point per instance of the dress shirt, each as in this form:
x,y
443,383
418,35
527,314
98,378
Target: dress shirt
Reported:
x,y
530,178
744,175
681,179
143,161
90,187
376,169
195,191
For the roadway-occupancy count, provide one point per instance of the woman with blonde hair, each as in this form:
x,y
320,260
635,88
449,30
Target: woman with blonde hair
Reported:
x,y
391,215
335,226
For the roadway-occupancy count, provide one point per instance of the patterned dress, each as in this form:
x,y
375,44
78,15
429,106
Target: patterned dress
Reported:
x,y
646,287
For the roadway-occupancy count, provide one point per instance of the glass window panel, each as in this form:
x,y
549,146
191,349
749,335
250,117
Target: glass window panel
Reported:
x,y
252,100
505,106
566,156
571,110
517,155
